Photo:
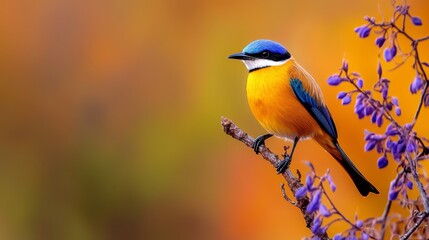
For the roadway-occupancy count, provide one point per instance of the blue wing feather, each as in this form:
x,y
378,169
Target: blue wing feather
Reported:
x,y
319,112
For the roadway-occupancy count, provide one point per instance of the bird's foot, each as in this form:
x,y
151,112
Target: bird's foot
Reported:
x,y
260,141
283,165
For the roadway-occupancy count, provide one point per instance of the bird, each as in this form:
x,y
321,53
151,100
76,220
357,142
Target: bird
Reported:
x,y
288,103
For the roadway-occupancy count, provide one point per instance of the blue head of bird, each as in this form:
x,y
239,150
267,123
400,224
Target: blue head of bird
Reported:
x,y
261,54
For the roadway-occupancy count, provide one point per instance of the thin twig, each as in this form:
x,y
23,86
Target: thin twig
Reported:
x,y
414,228
384,219
293,183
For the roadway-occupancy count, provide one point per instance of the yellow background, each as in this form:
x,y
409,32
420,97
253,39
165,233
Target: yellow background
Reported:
x,y
110,116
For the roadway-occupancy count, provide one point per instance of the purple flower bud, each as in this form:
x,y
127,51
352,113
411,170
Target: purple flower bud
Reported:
x,y
338,237
369,145
331,183
374,117
393,195
378,137
379,148
389,106
392,132
416,85
359,106
410,185
380,41
426,100
389,53
369,110
334,80
324,211
359,223
380,120
345,65
341,95
363,31
317,223
359,83
309,182
411,146
398,111
310,165
315,202
379,70
364,236
408,126
301,192
395,101
416,21
368,135
382,162
346,100
384,92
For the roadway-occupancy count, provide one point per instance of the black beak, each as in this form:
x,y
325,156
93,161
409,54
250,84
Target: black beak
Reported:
x,y
241,56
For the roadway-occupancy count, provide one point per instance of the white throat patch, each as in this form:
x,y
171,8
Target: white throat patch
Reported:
x,y
261,63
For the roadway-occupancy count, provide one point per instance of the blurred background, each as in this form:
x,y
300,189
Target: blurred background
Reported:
x,y
110,116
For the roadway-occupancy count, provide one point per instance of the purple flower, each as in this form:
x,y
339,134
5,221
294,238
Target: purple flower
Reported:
x,y
370,145
379,70
379,120
389,53
346,100
410,185
384,92
331,183
426,99
324,211
359,223
382,162
369,110
416,21
309,182
398,111
334,80
393,195
301,192
317,223
395,101
416,85
341,95
345,66
338,237
391,130
374,117
380,41
393,190
411,146
363,31
315,202
364,236
359,83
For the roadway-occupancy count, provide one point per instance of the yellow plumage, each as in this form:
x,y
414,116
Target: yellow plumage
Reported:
x,y
275,105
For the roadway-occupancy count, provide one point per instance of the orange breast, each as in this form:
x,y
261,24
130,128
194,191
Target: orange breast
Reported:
x,y
274,104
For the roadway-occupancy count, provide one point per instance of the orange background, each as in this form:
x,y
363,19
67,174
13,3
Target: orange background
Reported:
x,y
110,116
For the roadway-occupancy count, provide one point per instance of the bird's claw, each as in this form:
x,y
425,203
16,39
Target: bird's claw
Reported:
x,y
283,165
259,141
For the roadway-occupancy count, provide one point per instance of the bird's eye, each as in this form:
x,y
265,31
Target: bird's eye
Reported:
x,y
265,54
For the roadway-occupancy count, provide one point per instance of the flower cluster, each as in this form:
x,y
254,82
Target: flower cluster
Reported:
x,y
315,190
399,142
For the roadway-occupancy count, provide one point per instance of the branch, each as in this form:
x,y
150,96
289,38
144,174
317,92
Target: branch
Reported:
x,y
414,228
293,183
